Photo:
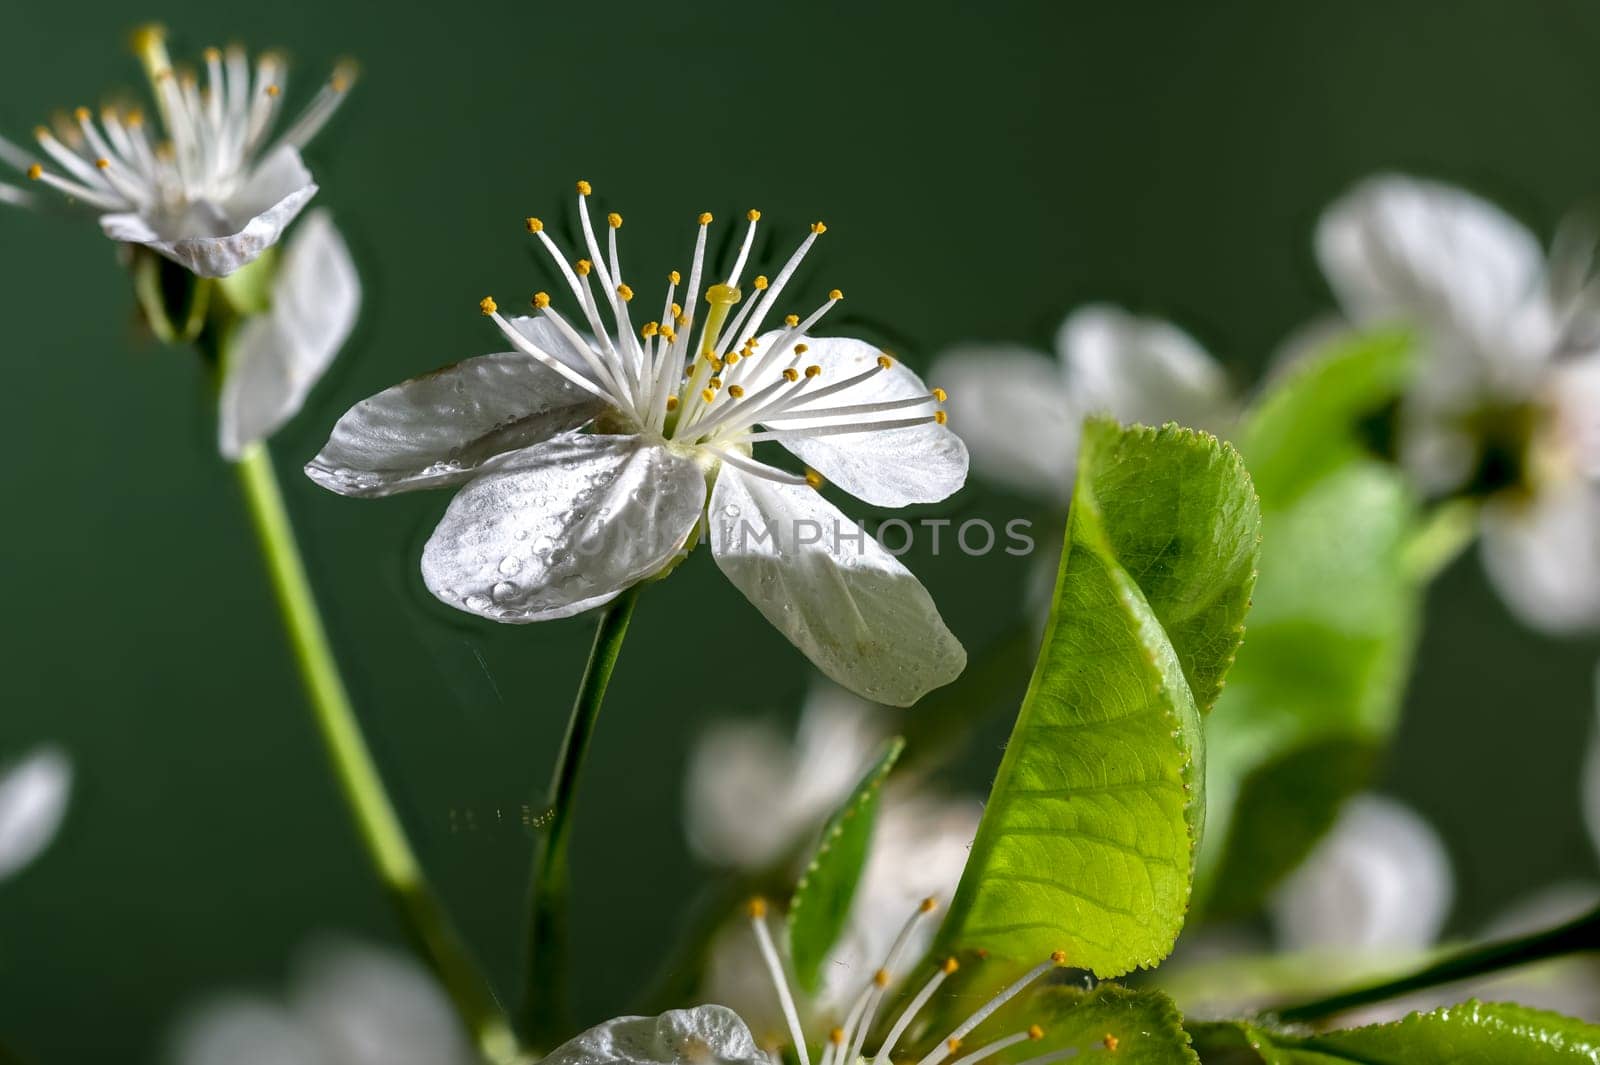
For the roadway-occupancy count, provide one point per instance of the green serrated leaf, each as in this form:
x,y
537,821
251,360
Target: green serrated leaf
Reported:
x,y
1088,840
1473,1033
822,898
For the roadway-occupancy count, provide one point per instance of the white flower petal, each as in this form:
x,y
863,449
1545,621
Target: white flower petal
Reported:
x,y
214,240
563,526
447,426
1573,391
371,1006
1141,370
888,468
240,1030
279,356
1468,274
1591,774
1012,408
845,602
33,802
704,1035
1380,880
1543,555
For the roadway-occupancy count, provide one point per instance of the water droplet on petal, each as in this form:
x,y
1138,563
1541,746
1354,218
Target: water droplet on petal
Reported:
x,y
510,565
731,510
503,591
476,602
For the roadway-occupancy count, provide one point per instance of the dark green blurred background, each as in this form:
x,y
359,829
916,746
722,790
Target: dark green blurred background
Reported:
x,y
983,168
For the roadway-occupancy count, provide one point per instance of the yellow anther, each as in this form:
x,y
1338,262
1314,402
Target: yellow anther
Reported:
x,y
813,478
940,394
705,218
881,978
757,906
534,225
102,163
736,391
212,55
1059,956
714,384
149,36
344,76
753,214
583,266
625,292
35,172
885,360
953,1045
487,305
541,300
81,114
668,332
791,320
41,132
672,402
751,343
1110,1041
950,965
135,118
801,349
818,228
836,1036
940,417
929,904
790,374
813,370
584,188
614,220
675,278
677,311
760,282
733,357
649,329
1035,1032
707,395
835,294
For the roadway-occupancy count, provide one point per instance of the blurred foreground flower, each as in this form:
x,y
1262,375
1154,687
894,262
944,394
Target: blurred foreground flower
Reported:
x,y
208,189
348,1004
1506,406
554,520
33,801
1021,412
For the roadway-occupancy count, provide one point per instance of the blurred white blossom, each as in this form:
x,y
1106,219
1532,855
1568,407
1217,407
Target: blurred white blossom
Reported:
x,y
348,1004
33,802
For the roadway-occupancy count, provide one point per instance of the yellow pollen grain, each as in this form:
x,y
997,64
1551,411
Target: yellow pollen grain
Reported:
x,y
674,277
929,904
625,292
813,478
534,225
791,374
487,305
705,218
940,394
707,395
818,228
881,978
212,55
672,402
614,220
757,906
649,329
1110,1041
940,417
343,78
81,114
1035,1032
583,266
733,357
35,172
950,965
273,90
135,118
667,332
760,282
736,391
41,132
753,215
791,320
953,1045
885,361
835,294
584,188
813,370
102,163
836,1037
714,384
801,349
541,300
1059,957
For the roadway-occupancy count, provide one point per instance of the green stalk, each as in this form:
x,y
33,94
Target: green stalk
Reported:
x,y
545,1003
1581,934
378,825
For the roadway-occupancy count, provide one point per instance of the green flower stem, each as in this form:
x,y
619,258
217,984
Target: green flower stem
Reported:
x,y
545,1005
1582,934
376,821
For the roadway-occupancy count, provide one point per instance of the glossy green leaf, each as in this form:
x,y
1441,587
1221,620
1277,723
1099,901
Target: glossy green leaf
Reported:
x,y
1088,841
821,902
1473,1033
1333,625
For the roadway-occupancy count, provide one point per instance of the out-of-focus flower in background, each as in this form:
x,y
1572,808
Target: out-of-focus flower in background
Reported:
x,y
278,356
34,791
754,797
1505,405
208,189
1021,411
553,520
348,1003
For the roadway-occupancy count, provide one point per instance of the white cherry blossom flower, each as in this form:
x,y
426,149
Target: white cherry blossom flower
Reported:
x,y
348,1004
594,455
33,802
717,1034
1506,403
1021,411
208,188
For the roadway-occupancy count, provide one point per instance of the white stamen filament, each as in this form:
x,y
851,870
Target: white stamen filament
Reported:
x,y
991,1049
909,1014
850,409
780,982
942,1051
829,430
528,347
758,469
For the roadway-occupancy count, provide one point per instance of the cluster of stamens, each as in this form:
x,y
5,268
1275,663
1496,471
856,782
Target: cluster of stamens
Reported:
x,y
712,392
213,133
845,1042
